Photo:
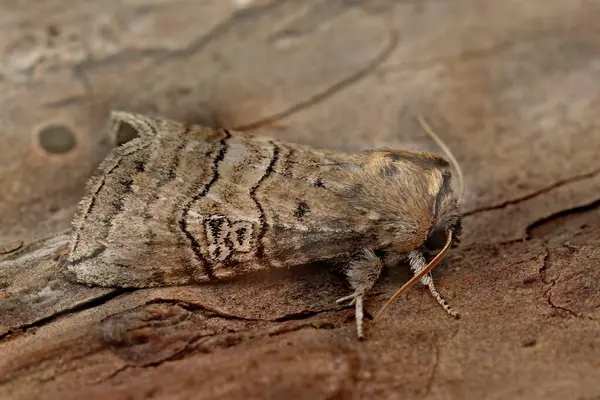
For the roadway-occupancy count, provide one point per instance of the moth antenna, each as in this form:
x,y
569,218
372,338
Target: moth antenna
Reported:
x,y
418,276
446,149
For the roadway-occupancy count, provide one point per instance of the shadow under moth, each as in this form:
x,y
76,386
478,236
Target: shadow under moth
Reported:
x,y
182,204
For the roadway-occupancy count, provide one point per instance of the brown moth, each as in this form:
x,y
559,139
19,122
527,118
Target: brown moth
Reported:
x,y
182,204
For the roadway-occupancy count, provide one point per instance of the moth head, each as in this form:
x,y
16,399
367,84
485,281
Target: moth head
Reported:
x,y
446,216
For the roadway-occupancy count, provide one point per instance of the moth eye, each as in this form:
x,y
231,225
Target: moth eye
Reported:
x,y
436,239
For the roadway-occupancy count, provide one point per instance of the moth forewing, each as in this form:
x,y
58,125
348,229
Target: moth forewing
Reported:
x,y
184,204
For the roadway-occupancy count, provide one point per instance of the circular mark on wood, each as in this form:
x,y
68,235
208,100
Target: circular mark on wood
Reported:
x,y
57,139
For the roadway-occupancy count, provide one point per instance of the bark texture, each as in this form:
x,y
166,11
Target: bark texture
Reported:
x,y
513,87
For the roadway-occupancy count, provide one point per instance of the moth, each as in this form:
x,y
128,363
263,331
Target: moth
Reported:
x,y
180,204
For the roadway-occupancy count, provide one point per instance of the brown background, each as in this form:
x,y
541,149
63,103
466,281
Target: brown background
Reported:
x,y
512,86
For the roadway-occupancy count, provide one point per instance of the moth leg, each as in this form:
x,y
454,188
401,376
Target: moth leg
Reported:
x,y
362,274
417,263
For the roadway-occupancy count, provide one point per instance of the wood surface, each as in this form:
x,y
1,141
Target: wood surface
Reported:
x,y
513,87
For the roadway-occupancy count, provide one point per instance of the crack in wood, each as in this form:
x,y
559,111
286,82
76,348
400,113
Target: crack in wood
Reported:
x,y
86,305
574,210
555,185
330,91
552,284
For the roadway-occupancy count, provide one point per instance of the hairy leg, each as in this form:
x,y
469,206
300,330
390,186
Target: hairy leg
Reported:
x,y
417,263
362,274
